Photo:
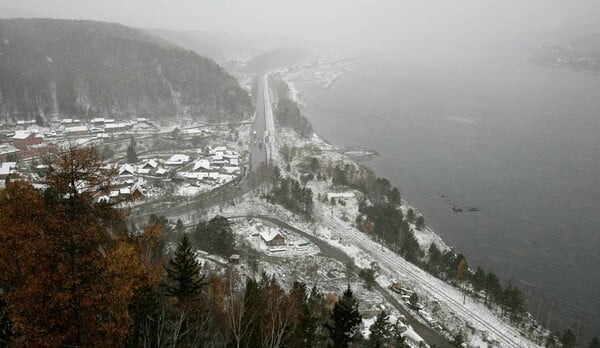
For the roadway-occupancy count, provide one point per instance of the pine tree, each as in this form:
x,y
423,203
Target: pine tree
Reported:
x,y
179,226
344,320
381,330
215,236
478,280
458,340
131,152
399,341
568,339
493,287
420,222
184,280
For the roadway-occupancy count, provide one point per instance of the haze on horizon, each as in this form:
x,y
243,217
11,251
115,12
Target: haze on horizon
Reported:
x,y
359,23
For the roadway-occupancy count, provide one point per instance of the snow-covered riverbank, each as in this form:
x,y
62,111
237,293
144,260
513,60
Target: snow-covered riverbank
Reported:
x,y
335,225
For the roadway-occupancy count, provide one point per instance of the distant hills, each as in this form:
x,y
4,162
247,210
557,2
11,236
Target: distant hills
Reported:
x,y
52,67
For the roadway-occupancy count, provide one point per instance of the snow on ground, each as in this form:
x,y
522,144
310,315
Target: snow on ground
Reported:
x,y
334,225
444,301
295,246
188,190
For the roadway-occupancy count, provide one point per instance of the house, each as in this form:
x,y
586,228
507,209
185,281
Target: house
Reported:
x,y
115,127
24,138
70,122
230,170
98,121
234,259
190,132
25,123
219,150
177,160
76,130
136,191
202,165
339,195
8,152
234,162
148,167
126,170
6,169
150,164
272,238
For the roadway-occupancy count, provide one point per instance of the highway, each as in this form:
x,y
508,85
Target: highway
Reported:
x,y
263,123
258,150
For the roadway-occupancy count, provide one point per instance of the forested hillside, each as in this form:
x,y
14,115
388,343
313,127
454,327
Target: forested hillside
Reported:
x,y
88,69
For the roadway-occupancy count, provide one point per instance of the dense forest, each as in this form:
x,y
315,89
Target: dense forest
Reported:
x,y
87,69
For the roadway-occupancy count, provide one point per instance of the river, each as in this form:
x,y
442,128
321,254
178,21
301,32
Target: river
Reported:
x,y
518,141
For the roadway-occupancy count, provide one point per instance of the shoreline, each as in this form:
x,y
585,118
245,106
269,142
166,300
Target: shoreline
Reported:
x,y
365,154
355,153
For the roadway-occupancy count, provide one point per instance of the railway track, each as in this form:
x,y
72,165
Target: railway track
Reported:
x,y
435,287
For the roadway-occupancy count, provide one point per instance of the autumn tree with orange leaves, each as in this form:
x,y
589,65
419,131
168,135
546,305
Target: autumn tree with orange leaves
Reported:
x,y
69,269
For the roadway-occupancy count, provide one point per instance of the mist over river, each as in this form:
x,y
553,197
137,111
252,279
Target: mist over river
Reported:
x,y
487,129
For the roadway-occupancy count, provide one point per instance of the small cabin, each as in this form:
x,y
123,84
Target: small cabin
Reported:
x,y
272,238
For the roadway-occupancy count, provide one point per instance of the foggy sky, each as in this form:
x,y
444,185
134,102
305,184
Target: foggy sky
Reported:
x,y
347,21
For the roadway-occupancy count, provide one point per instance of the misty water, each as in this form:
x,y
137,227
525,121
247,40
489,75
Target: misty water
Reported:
x,y
519,141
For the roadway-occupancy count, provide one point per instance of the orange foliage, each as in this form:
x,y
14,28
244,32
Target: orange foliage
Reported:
x,y
68,268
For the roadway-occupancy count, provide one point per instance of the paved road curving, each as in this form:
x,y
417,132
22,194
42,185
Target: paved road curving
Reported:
x,y
428,334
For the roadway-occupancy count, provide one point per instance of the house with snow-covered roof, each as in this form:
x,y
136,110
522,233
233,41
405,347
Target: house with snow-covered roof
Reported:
x,y
76,130
177,160
7,151
24,138
126,170
115,127
6,169
150,164
272,237
201,165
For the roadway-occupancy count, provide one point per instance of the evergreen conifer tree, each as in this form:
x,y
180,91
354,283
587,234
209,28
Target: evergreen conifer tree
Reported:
x,y
131,152
183,274
344,320
458,340
399,341
568,339
381,330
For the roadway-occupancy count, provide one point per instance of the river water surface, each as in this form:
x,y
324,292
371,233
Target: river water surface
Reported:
x,y
518,141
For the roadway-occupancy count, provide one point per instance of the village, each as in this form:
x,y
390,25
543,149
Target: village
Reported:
x,y
150,159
